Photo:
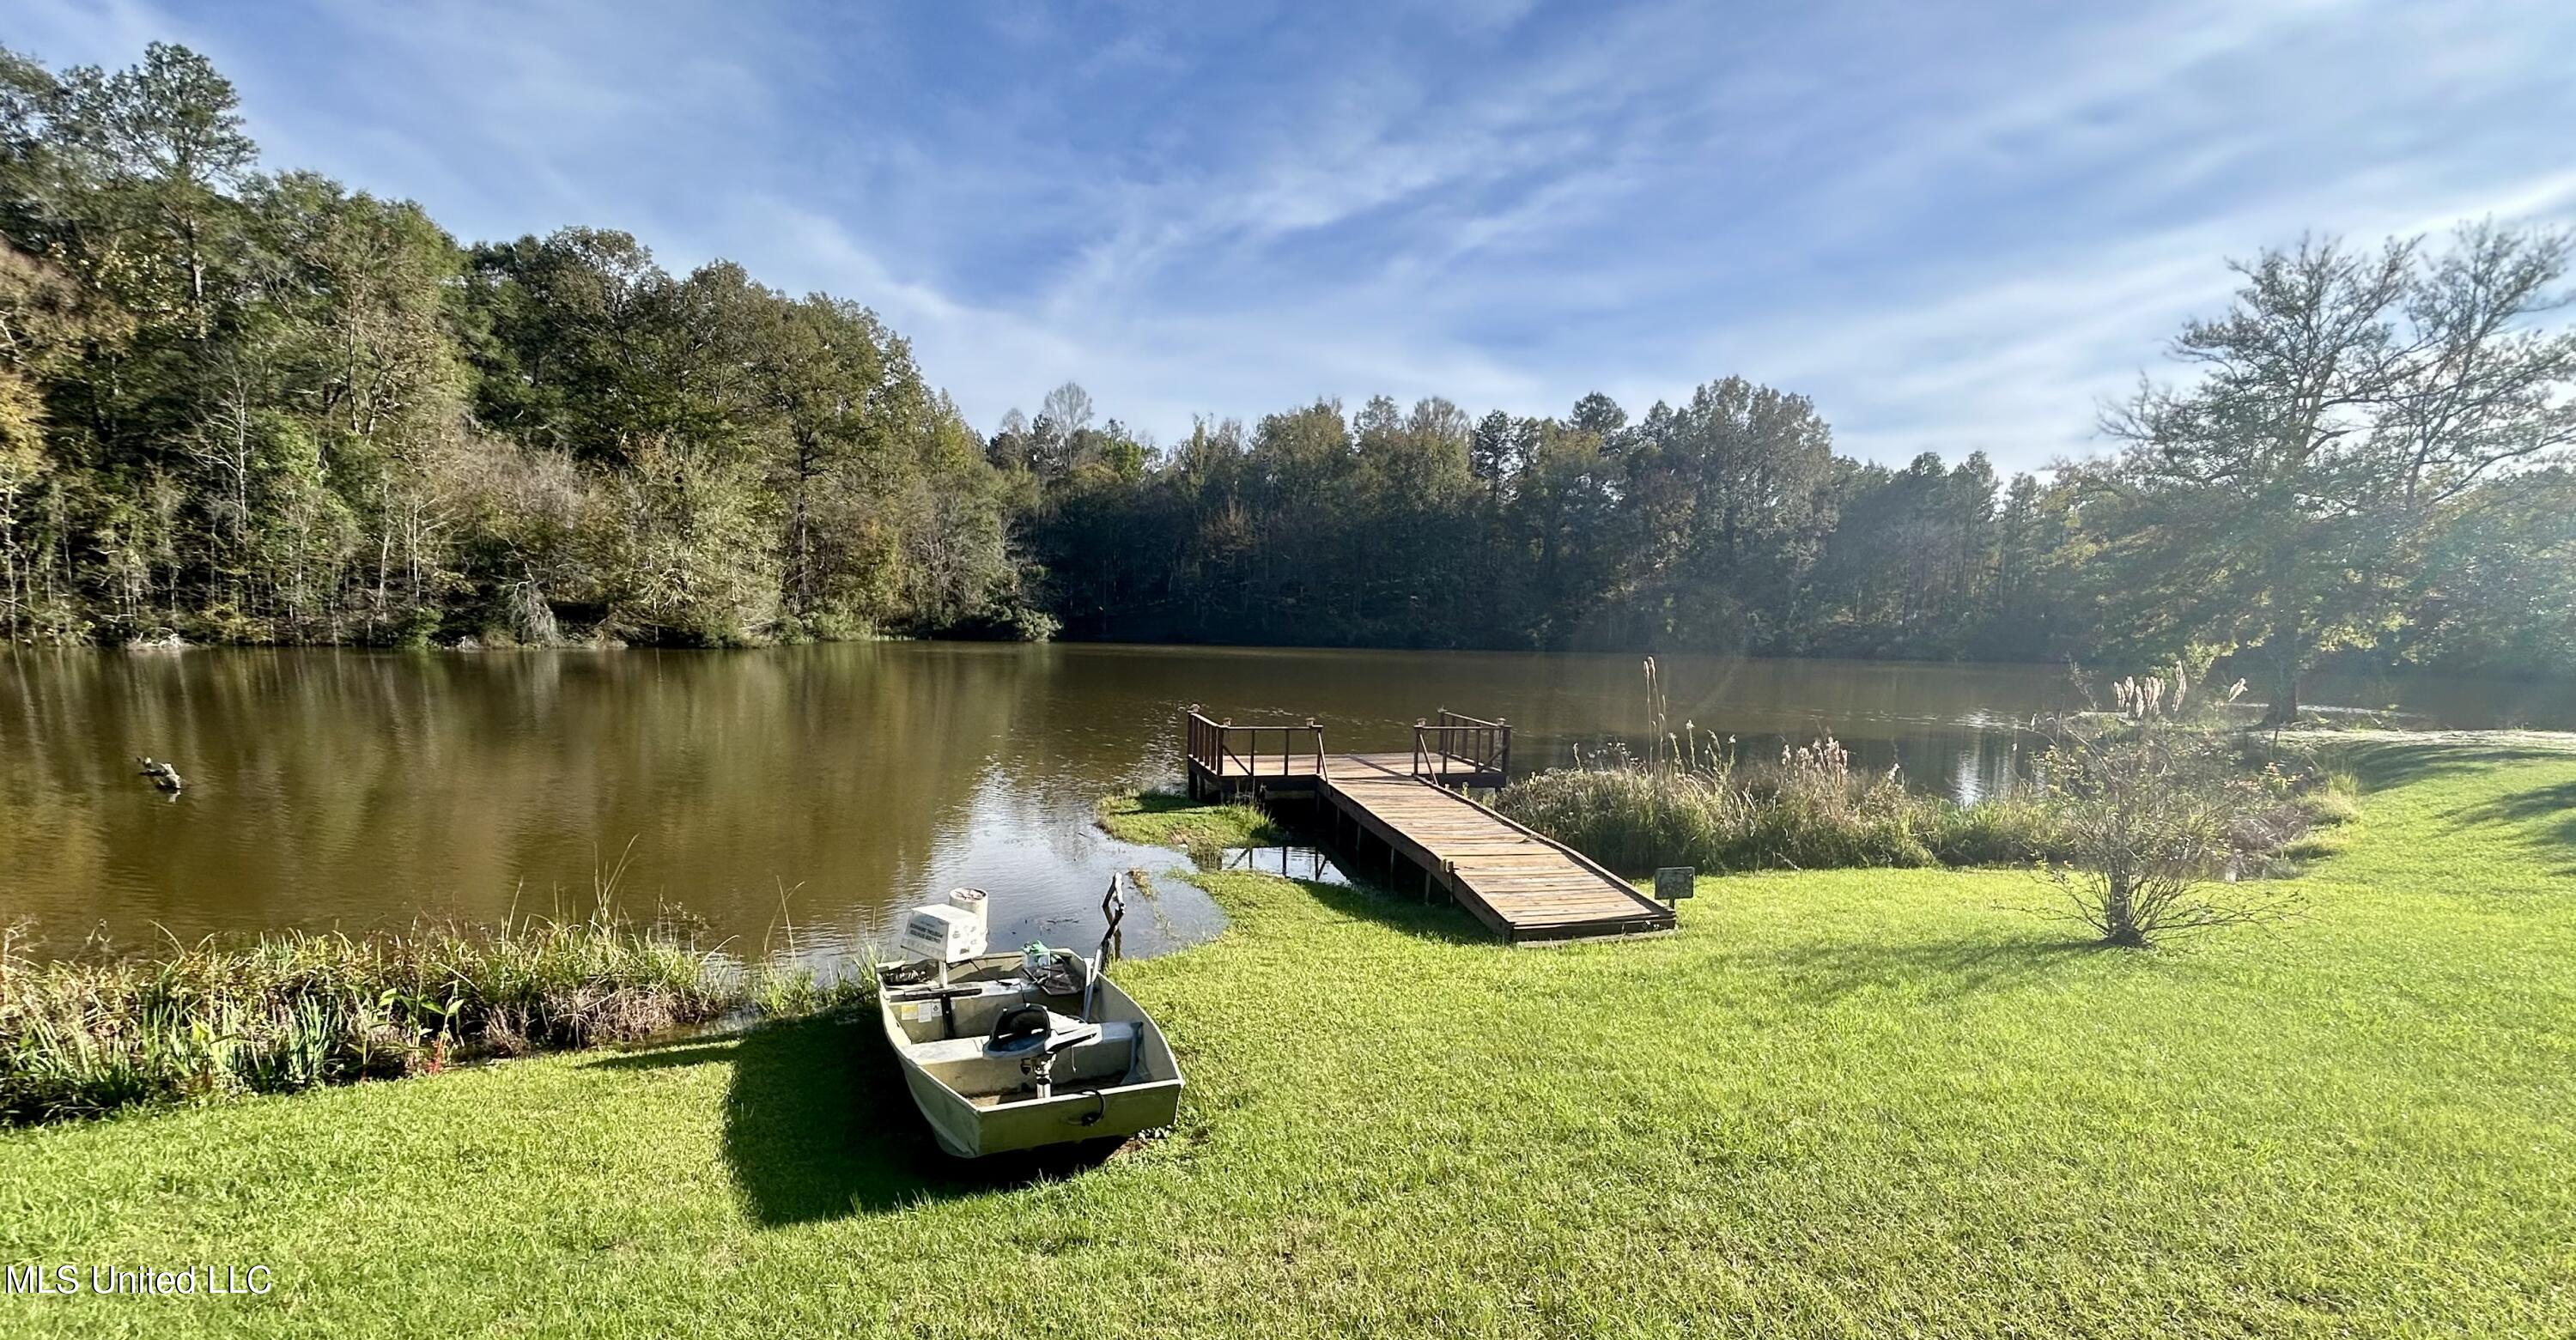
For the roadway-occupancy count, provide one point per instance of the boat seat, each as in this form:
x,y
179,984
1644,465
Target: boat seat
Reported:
x,y
969,1007
972,1049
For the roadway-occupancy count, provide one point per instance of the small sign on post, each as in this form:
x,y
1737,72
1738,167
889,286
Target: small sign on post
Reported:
x,y
1673,883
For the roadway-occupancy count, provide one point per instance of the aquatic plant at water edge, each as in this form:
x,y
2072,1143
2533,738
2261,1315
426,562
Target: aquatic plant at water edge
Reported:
x,y
1696,806
1174,820
1693,802
90,1034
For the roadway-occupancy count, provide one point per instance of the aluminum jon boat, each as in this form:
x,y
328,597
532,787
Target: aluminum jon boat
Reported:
x,y
1008,1052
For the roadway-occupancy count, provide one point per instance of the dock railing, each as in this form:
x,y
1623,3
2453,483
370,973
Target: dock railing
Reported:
x,y
1223,749
1473,743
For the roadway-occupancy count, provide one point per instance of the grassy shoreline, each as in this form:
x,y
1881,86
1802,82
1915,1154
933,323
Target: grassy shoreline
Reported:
x,y
1169,819
1834,1103
1812,811
83,1037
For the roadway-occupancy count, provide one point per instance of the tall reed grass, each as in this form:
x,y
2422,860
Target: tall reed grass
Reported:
x,y
1694,804
90,1034
1690,800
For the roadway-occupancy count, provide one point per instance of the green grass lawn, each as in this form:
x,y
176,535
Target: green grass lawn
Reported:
x,y
1175,821
1850,1103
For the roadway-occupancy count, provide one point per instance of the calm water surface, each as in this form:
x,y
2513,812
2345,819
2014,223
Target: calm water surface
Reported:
x,y
823,788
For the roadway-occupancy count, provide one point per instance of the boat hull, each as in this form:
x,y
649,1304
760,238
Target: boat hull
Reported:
x,y
978,1105
967,1131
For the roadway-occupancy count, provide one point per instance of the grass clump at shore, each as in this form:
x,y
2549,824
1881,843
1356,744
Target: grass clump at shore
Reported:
x,y
1170,819
1833,1103
86,1036
1813,811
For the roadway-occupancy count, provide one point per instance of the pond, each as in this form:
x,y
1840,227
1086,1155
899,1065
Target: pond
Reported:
x,y
808,794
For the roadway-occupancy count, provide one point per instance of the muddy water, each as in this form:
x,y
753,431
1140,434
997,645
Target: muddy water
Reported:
x,y
814,790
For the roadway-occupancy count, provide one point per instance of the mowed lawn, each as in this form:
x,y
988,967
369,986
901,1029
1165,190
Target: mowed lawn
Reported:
x,y
1852,1103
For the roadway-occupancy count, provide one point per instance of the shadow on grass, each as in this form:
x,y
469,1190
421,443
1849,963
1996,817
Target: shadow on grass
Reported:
x,y
1370,896
2379,765
671,1055
1368,901
2545,817
1939,970
1167,802
818,1125
1160,804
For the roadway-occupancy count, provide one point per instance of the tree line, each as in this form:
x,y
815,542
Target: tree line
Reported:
x,y
247,406
2369,461
238,405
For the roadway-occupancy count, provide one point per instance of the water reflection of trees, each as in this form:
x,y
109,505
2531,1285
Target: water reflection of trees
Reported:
x,y
352,788
331,788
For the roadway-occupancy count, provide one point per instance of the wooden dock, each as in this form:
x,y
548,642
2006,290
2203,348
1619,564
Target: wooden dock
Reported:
x,y
1411,812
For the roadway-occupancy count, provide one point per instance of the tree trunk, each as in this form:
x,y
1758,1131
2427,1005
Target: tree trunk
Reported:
x,y
2119,913
2285,704
8,575
2286,673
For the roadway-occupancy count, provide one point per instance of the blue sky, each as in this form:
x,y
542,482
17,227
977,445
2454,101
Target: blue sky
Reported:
x,y
1955,226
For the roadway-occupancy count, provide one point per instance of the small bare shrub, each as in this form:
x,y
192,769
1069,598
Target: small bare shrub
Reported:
x,y
2153,831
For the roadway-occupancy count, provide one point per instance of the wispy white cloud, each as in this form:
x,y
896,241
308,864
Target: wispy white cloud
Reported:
x,y
1957,229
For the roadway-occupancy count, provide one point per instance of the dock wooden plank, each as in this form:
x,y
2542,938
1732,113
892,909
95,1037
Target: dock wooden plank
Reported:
x,y
1521,883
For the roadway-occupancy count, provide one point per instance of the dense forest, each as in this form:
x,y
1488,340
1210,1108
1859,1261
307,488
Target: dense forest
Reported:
x,y
245,406
242,405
